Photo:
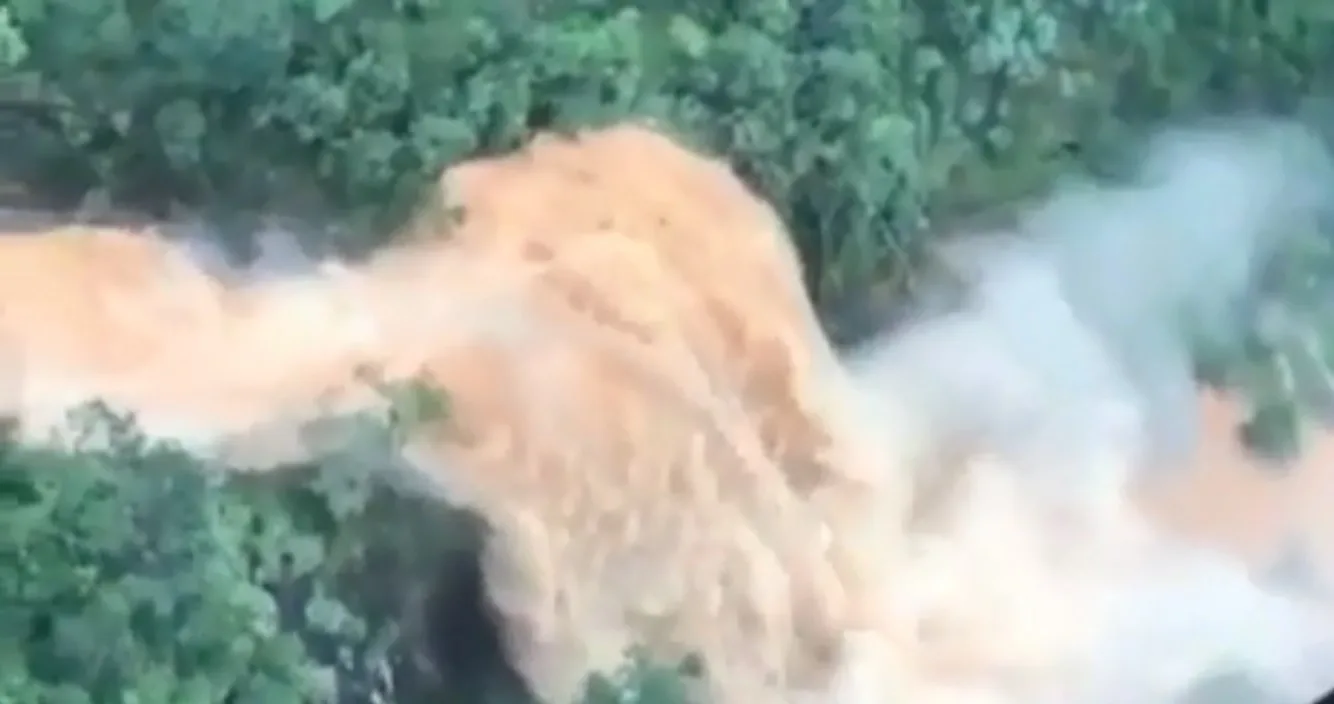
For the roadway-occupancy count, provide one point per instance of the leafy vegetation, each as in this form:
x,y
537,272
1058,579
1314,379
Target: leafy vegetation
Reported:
x,y
126,576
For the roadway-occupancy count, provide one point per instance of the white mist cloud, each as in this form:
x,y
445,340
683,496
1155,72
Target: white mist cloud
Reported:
x,y
1069,363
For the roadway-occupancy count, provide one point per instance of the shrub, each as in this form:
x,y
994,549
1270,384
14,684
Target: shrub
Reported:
x,y
862,119
131,571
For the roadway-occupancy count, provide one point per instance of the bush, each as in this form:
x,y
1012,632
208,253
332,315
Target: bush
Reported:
x,y
862,119
133,574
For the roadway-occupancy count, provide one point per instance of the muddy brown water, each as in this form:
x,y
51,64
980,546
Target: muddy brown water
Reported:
x,y
1280,522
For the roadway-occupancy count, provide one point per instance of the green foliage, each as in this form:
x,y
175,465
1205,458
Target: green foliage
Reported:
x,y
860,118
127,574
